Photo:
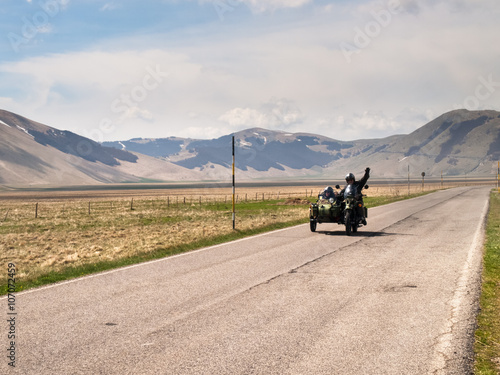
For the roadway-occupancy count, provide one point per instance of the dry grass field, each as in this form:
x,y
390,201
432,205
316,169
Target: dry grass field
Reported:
x,y
46,231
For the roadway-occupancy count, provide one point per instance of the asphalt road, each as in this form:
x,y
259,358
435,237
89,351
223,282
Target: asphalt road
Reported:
x,y
398,297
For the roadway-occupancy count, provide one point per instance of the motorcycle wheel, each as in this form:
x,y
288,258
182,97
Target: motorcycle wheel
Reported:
x,y
348,223
312,225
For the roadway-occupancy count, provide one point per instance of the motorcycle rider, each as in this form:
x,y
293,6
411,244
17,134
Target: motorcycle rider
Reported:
x,y
327,193
359,185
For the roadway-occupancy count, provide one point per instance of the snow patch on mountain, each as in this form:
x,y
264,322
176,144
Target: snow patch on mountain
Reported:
x,y
24,130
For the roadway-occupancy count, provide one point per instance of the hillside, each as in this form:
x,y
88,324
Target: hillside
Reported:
x,y
35,154
454,144
457,143
260,153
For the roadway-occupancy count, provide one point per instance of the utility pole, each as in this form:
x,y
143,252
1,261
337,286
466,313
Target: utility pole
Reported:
x,y
234,190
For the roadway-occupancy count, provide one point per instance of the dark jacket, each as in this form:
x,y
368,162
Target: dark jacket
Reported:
x,y
359,184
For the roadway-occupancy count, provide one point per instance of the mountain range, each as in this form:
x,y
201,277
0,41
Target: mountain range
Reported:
x,y
456,143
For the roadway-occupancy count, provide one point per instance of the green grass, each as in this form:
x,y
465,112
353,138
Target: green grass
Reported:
x,y
487,345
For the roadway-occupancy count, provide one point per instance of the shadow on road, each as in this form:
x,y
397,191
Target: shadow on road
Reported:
x,y
358,234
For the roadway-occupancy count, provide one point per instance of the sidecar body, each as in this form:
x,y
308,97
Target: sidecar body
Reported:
x,y
326,211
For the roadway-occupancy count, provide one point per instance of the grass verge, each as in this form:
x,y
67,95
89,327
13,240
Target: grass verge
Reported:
x,y
487,344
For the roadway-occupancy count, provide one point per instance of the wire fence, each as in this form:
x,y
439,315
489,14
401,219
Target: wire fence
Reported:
x,y
17,209
66,206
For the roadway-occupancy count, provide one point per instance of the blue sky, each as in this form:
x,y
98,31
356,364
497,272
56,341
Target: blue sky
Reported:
x,y
114,70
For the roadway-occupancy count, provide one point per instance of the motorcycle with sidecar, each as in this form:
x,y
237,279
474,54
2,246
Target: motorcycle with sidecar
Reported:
x,y
344,209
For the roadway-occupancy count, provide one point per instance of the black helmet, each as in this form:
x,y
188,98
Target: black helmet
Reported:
x,y
329,190
350,176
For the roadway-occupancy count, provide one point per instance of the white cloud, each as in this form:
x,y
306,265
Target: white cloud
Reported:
x,y
270,5
98,71
423,61
135,112
109,7
372,122
127,87
275,114
257,6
